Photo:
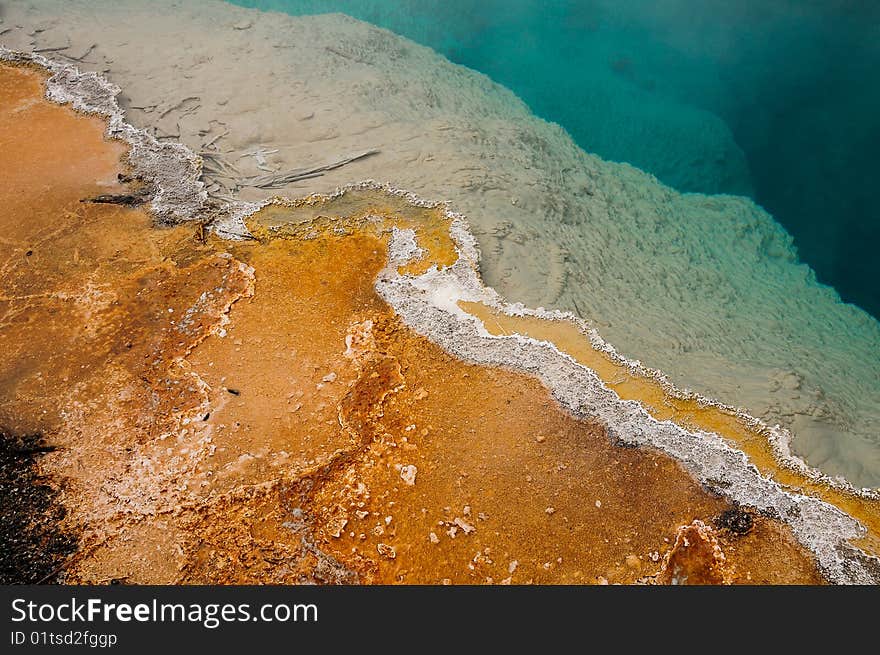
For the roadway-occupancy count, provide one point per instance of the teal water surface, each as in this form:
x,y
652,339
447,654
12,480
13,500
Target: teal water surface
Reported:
x,y
775,99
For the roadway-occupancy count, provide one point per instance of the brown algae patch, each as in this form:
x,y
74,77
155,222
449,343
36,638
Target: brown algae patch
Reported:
x,y
240,412
687,412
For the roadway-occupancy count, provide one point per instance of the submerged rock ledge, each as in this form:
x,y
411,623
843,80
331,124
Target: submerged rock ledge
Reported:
x,y
431,296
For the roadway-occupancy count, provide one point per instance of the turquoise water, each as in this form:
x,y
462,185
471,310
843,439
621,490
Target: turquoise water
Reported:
x,y
775,99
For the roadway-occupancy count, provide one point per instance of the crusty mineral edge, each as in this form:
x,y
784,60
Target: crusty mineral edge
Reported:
x,y
252,411
172,169
690,413
768,446
426,302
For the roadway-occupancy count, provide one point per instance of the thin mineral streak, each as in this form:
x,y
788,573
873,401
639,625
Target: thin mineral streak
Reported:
x,y
428,301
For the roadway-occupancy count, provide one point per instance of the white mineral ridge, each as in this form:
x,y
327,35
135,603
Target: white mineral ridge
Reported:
x,y
707,289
